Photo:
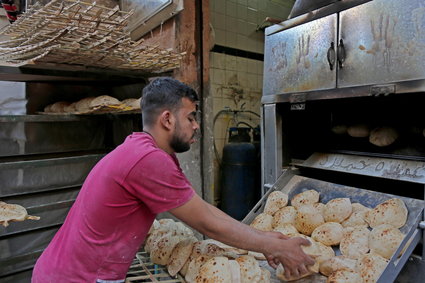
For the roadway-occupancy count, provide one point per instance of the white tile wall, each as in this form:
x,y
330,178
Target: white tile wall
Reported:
x,y
235,21
235,82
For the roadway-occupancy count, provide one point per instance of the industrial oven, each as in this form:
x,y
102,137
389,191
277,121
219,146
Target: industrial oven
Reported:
x,y
339,64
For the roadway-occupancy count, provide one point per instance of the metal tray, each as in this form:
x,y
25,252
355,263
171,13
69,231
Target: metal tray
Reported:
x,y
292,184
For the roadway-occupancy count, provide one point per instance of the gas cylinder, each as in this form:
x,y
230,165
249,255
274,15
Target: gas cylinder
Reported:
x,y
239,193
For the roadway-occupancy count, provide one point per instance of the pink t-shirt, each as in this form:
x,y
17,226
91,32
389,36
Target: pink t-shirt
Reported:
x,y
113,213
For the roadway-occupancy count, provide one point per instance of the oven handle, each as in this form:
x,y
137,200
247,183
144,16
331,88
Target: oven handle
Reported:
x,y
341,53
331,56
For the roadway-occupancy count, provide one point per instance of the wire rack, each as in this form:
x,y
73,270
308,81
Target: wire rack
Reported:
x,y
143,270
81,33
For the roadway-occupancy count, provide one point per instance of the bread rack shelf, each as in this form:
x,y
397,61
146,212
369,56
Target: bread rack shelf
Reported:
x,y
143,270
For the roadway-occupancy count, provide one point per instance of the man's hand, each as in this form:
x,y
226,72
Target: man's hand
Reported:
x,y
288,252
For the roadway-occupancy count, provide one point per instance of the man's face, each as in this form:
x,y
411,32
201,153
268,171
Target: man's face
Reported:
x,y
185,127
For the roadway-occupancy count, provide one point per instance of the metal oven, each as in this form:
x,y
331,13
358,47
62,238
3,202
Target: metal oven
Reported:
x,y
339,65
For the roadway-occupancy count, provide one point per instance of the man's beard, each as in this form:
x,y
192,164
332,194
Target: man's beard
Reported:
x,y
177,143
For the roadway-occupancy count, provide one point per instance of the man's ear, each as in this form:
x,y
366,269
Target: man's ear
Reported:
x,y
167,119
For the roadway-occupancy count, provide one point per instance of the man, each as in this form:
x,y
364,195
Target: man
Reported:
x,y
139,179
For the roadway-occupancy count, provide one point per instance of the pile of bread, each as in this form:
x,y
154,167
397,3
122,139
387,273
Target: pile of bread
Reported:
x,y
173,245
93,104
379,136
365,238
13,212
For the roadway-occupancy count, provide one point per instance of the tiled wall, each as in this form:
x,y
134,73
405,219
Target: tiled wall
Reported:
x,y
236,82
235,22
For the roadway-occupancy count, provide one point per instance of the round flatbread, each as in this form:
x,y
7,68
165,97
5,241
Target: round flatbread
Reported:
x,y
371,267
250,269
308,218
275,201
133,103
180,255
336,263
355,242
262,222
337,210
83,105
235,271
287,229
215,270
195,266
104,100
358,131
306,197
285,215
345,276
13,212
392,211
329,233
161,252
384,240
383,136
59,107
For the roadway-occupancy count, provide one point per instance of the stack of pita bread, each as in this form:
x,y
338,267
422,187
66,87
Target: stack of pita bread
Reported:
x,y
380,136
365,238
13,212
174,245
91,105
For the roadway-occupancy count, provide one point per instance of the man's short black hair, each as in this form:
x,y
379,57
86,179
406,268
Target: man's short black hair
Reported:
x,y
161,94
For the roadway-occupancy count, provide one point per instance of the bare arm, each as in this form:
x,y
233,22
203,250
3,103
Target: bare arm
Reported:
x,y
215,224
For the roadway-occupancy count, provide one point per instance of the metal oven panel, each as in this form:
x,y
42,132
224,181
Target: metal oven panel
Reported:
x,y
384,42
297,58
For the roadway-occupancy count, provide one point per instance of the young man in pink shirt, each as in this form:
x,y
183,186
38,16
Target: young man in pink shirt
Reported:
x,y
132,184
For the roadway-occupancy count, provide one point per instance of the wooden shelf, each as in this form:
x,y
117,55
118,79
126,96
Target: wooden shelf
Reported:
x,y
68,73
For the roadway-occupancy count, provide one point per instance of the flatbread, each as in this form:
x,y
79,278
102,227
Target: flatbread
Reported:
x,y
104,100
58,107
384,240
161,252
284,216
195,266
345,276
287,229
275,201
308,218
358,131
329,233
180,255
392,211
83,105
280,274
215,270
262,222
336,263
250,269
235,271
13,212
383,136
371,267
325,252
355,242
306,197
337,210
133,103
265,276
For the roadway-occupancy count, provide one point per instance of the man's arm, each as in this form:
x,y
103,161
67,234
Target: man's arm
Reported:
x,y
217,225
